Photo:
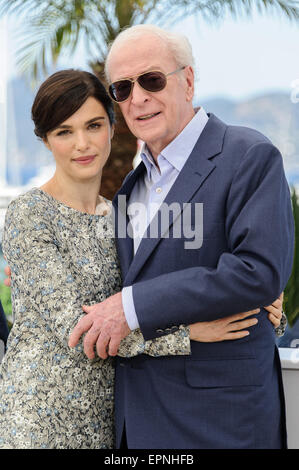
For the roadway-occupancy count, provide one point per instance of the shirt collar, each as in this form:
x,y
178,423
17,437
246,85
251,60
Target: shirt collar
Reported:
x,y
179,149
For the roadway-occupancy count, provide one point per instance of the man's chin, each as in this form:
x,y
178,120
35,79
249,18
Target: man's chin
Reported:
x,y
148,136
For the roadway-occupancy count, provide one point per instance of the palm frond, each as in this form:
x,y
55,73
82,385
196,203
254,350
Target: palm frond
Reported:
x,y
16,6
44,41
53,27
49,32
212,10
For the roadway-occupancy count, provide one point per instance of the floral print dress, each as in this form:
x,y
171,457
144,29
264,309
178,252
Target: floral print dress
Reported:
x,y
52,396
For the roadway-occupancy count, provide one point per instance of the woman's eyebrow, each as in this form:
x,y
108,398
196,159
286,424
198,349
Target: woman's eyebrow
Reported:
x,y
95,119
65,126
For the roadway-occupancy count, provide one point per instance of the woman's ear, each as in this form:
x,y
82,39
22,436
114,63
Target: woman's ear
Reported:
x,y
45,141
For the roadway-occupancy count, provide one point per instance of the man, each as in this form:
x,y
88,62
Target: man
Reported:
x,y
229,182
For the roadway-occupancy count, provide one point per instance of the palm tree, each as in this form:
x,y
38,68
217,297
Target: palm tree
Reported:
x,y
56,26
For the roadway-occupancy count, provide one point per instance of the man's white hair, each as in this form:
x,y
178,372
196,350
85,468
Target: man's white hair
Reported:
x,y
178,44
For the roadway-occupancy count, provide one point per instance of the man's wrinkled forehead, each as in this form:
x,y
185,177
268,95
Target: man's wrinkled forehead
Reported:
x,y
130,58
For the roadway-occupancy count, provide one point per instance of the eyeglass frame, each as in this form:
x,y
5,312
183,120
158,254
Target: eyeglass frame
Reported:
x,y
136,80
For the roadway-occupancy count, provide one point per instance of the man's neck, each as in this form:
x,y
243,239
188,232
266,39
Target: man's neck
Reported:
x,y
156,148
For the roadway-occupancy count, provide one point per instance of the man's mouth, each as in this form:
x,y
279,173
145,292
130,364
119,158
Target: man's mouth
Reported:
x,y
147,116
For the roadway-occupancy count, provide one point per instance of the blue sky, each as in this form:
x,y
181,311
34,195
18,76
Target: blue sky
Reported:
x,y
234,58
245,57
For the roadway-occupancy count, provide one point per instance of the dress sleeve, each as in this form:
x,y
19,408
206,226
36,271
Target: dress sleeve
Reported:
x,y
176,344
173,344
41,280
279,331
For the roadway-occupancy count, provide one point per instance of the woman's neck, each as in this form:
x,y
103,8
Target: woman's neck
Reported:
x,y
80,195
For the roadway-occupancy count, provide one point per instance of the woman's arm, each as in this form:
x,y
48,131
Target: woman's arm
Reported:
x,y
178,343
277,316
40,277
223,329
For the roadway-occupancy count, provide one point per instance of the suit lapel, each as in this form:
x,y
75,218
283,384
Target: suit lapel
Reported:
x,y
196,170
121,220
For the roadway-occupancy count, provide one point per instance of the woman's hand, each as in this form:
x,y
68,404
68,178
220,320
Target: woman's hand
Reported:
x,y
7,271
234,326
275,311
223,329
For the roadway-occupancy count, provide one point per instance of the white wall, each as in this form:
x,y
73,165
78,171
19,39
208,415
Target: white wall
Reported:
x,y
290,372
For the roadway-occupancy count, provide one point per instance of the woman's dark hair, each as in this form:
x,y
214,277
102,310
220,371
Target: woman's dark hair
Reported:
x,y
62,94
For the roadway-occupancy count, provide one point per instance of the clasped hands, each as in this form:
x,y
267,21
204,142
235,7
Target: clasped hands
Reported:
x,y
105,326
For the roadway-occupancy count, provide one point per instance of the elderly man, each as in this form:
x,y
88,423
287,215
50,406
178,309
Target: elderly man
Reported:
x,y
234,204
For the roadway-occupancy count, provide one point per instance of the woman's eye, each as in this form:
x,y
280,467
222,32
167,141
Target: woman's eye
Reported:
x,y
94,125
64,132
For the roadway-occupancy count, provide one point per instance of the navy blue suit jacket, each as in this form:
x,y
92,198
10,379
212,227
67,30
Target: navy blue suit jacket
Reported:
x,y
226,394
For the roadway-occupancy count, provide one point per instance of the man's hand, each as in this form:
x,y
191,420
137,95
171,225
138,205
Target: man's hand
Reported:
x,y
7,271
105,324
275,311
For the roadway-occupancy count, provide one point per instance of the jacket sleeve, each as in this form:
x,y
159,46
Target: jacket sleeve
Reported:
x,y
255,268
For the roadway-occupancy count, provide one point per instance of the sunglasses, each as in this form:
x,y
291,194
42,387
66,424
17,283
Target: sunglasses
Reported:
x,y
153,81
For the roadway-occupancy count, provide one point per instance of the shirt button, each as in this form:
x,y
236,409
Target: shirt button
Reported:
x,y
159,190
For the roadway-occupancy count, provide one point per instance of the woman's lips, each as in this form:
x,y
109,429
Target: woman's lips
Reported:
x,y
85,160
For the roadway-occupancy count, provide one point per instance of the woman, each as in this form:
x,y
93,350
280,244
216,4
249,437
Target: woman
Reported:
x,y
58,241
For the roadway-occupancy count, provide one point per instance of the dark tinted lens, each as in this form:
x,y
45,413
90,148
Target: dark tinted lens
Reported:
x,y
120,91
152,81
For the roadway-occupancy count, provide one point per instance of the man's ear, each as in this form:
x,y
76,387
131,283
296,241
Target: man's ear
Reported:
x,y
189,76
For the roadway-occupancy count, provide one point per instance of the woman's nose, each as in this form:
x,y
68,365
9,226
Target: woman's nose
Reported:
x,y
81,141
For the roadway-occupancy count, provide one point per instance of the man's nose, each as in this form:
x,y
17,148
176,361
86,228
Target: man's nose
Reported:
x,y
139,94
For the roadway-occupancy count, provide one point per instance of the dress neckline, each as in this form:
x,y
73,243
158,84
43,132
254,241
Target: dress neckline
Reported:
x,y
102,208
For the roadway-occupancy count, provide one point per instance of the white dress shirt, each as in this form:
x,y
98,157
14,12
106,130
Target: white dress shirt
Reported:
x,y
150,191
